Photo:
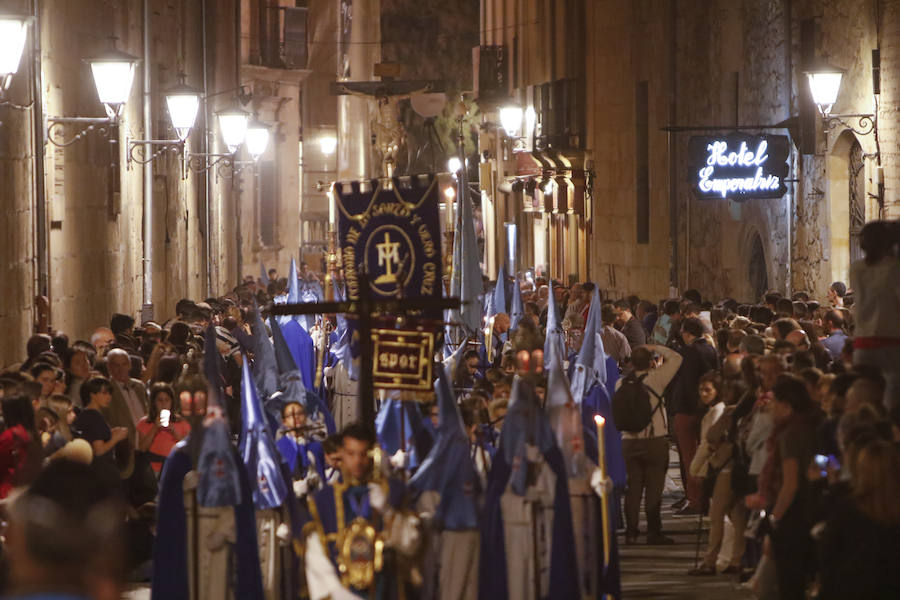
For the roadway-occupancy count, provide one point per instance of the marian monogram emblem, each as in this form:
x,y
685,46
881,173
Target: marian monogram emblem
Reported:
x,y
390,259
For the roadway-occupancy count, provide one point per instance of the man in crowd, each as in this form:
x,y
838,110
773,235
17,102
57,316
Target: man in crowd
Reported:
x,y
615,344
699,358
833,324
129,396
629,325
836,293
646,452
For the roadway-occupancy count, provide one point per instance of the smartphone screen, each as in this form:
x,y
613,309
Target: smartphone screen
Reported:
x,y
822,463
164,416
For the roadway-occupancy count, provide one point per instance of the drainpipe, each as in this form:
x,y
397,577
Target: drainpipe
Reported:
x,y
207,186
672,147
148,170
37,113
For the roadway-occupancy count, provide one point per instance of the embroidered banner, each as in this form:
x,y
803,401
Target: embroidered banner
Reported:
x,y
392,233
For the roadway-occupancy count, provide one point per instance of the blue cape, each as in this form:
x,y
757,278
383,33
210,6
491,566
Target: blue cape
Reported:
x,y
448,469
170,560
526,423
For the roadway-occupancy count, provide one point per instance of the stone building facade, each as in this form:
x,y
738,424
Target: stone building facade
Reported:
x,y
696,68
94,232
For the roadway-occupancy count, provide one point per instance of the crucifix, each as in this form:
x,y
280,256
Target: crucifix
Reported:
x,y
365,308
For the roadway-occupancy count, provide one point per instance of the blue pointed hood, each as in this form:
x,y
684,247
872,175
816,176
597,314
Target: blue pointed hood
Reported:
x,y
498,298
293,284
263,275
265,368
555,342
397,424
448,469
262,460
565,420
217,463
283,357
590,365
516,306
525,425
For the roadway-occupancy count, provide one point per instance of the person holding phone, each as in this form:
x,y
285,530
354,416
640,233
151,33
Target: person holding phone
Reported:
x,y
162,428
91,426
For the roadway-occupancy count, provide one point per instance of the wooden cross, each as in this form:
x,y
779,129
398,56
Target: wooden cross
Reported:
x,y
364,309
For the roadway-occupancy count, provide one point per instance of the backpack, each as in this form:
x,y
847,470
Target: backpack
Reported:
x,y
631,408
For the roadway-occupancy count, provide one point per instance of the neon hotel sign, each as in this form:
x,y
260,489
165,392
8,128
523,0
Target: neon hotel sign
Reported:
x,y
739,166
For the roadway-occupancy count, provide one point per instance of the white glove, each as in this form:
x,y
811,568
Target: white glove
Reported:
x,y
602,486
398,460
377,497
404,535
312,481
301,488
283,533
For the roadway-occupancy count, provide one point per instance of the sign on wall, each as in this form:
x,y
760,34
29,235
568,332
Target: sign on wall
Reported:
x,y
739,166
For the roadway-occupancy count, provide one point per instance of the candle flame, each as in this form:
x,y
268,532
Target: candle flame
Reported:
x,y
600,421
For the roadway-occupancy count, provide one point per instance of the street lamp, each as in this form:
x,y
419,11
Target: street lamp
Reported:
x,y
183,102
824,83
13,31
257,139
113,75
454,164
233,123
824,86
511,119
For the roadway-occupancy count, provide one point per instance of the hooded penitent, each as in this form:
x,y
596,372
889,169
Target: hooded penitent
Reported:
x,y
528,470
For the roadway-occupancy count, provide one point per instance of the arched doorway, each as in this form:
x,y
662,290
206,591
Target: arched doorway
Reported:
x,y
758,275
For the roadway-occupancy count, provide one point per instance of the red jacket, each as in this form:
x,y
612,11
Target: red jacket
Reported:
x,y
14,444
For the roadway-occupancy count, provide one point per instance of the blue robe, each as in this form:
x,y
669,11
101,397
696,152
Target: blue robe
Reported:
x,y
170,560
597,403
492,569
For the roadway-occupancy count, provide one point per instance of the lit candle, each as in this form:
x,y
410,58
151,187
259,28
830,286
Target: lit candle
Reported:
x,y
331,207
601,450
604,513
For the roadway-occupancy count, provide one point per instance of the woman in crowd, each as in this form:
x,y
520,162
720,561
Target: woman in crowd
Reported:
x,y
162,428
784,487
49,378
713,462
78,369
20,446
62,407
